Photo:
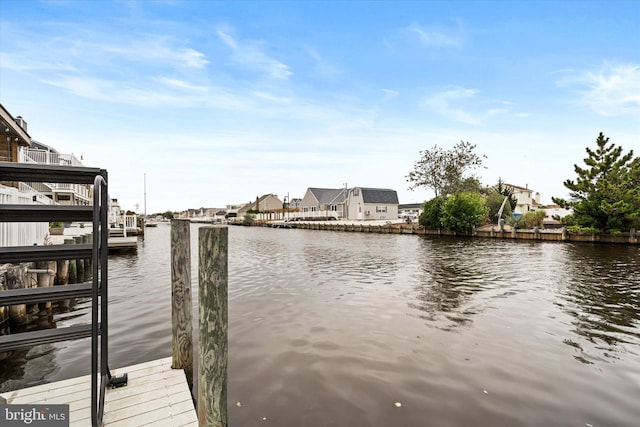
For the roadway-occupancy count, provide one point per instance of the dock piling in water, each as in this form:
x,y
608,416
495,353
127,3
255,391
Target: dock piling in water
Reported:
x,y
181,304
213,325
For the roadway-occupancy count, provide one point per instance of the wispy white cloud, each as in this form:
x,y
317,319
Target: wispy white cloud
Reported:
x,y
322,67
461,105
610,90
389,94
180,84
18,62
433,37
154,49
252,53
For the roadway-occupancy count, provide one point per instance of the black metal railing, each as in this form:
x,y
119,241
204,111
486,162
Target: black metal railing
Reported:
x,y
98,252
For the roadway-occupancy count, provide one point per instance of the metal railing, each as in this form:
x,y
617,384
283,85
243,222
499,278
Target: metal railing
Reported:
x,y
98,251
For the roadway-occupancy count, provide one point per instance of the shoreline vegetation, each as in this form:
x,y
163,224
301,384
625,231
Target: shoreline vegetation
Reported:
x,y
632,237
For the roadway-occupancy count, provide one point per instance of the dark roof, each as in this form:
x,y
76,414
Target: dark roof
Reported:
x,y
327,196
379,195
411,206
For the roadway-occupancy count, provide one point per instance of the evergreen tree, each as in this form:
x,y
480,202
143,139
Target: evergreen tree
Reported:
x,y
507,192
605,195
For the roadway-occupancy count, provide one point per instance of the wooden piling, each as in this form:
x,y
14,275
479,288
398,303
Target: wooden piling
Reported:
x,y
88,271
79,262
181,305
213,325
72,277
15,279
44,277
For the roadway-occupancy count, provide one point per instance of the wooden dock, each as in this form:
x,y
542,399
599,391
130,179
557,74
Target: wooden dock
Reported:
x,y
155,394
123,243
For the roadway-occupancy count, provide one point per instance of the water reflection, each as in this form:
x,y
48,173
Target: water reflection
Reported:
x,y
601,291
452,272
330,328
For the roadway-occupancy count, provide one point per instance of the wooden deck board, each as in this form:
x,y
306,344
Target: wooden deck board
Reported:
x,y
155,393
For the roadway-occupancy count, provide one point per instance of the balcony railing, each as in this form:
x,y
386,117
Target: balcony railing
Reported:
x,y
82,194
44,157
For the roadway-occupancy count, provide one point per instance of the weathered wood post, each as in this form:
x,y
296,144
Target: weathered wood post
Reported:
x,y
181,305
4,311
16,278
73,273
62,278
42,278
79,262
88,271
213,323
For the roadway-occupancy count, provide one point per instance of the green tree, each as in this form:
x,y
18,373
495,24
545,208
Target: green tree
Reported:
x,y
248,219
605,194
494,202
495,198
463,211
431,213
444,171
529,220
507,192
168,215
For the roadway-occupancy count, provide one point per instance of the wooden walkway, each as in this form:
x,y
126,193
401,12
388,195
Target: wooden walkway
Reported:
x,y
155,395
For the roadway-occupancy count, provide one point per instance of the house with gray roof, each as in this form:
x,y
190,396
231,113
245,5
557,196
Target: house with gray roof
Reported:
x,y
358,203
323,203
372,204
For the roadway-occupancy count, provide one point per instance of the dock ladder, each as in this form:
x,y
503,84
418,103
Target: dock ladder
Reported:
x,y
97,252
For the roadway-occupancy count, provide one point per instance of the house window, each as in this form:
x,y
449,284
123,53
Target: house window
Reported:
x,y
381,209
314,209
334,208
305,209
356,193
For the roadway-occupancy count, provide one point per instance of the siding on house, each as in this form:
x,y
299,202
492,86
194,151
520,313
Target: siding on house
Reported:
x,y
372,204
323,202
525,197
266,203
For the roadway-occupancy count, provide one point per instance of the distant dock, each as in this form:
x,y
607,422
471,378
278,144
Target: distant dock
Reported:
x,y
118,241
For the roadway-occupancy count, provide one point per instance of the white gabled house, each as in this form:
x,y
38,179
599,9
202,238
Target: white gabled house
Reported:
x,y
357,203
13,138
372,204
327,203
527,200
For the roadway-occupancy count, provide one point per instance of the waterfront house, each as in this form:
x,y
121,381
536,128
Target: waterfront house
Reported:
x,y
13,137
268,205
527,201
62,194
410,210
372,204
358,203
295,203
324,203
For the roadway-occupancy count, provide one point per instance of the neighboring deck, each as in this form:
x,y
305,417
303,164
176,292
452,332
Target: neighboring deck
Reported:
x,y
155,394
117,241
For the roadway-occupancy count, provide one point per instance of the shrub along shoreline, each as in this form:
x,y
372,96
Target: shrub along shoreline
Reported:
x,y
488,231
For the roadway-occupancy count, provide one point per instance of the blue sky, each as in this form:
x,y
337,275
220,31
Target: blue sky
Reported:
x,y
219,102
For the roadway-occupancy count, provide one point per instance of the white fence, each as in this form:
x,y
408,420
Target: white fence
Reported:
x,y
82,193
22,233
32,155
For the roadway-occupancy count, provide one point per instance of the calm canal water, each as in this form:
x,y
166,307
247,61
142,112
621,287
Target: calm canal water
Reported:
x,y
336,329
